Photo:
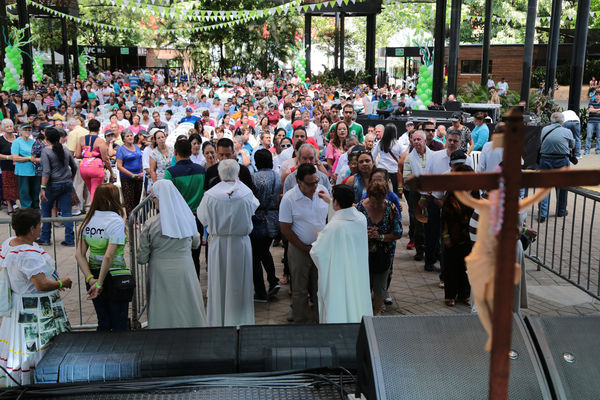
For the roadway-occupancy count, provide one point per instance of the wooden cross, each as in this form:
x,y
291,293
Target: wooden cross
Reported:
x,y
514,180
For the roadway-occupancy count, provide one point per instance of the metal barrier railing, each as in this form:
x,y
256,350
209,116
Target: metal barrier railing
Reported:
x,y
66,268
565,245
140,214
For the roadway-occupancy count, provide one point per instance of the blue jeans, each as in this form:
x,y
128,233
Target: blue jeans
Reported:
x,y
29,191
575,128
60,192
592,127
561,204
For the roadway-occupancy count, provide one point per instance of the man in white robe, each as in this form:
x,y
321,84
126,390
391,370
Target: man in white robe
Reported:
x,y
341,254
227,210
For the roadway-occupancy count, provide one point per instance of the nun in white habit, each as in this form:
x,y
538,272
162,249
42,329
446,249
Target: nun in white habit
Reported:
x,y
175,296
227,210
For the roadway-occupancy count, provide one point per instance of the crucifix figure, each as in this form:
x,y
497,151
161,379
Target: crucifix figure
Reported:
x,y
502,243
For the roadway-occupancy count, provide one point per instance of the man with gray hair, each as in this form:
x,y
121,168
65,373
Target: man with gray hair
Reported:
x,y
307,154
227,209
556,143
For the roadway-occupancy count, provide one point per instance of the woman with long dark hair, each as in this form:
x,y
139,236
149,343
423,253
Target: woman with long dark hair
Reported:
x,y
389,150
360,180
103,233
58,170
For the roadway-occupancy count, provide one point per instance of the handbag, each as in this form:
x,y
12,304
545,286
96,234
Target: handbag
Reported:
x,y
379,259
120,285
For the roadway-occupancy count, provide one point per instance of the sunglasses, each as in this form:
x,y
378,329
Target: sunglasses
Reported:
x,y
285,146
429,130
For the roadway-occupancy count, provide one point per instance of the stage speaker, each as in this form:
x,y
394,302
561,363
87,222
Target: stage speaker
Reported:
x,y
110,356
570,350
440,357
287,347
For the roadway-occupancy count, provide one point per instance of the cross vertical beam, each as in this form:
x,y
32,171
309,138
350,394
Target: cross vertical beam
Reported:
x,y
505,261
528,50
342,40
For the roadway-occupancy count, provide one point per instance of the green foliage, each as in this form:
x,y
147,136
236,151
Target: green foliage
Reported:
x,y
584,116
473,92
244,45
542,106
538,76
351,78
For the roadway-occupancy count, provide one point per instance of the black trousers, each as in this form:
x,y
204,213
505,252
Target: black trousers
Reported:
x,y
456,282
417,227
262,258
433,234
196,252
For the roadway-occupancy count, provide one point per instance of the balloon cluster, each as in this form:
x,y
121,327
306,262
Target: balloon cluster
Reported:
x,y
13,68
82,67
38,68
425,86
12,59
300,63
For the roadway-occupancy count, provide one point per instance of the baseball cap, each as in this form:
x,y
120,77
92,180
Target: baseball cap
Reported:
x,y
456,116
458,157
189,109
297,123
108,133
134,109
144,133
44,125
409,122
25,126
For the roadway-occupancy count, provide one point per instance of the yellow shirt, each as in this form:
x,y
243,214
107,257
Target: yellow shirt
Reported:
x,y
74,136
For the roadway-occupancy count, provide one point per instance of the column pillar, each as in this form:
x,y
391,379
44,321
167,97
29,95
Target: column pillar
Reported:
x,y
578,56
27,61
528,50
370,55
438,53
65,50
552,50
487,33
454,46
307,42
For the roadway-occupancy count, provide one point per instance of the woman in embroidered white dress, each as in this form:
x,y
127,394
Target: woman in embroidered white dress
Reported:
x,y
37,313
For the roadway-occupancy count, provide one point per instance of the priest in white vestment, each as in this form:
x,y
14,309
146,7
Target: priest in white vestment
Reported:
x,y
341,254
227,210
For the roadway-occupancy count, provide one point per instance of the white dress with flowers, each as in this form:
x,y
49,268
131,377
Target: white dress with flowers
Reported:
x,y
36,316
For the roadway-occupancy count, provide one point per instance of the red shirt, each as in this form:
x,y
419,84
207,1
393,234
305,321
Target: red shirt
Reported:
x,y
274,117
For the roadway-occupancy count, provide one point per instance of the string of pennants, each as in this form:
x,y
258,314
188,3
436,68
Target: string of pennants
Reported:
x,y
183,11
230,18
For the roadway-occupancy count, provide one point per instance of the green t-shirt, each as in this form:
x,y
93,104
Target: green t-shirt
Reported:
x,y
384,104
104,228
355,129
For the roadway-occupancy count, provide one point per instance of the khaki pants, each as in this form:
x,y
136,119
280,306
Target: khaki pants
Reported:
x,y
304,281
81,191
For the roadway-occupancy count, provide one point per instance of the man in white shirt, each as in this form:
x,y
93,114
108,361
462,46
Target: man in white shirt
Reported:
x,y
414,164
502,87
302,215
404,139
312,130
439,163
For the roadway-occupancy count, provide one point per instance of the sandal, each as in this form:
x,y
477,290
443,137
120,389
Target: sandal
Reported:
x,y
450,302
283,280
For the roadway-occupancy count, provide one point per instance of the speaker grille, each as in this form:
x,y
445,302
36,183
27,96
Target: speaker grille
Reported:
x,y
574,339
429,357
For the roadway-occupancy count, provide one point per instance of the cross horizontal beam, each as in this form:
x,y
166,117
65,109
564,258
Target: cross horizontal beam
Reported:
x,y
564,177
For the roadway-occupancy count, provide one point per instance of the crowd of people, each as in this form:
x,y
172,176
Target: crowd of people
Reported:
x,y
236,165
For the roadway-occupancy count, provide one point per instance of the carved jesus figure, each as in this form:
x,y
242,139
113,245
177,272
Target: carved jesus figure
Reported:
x,y
482,259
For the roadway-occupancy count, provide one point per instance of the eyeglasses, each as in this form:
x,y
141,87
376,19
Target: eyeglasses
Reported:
x,y
285,146
315,183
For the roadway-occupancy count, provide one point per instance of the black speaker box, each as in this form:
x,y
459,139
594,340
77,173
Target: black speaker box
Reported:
x,y
570,350
440,357
286,347
103,356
